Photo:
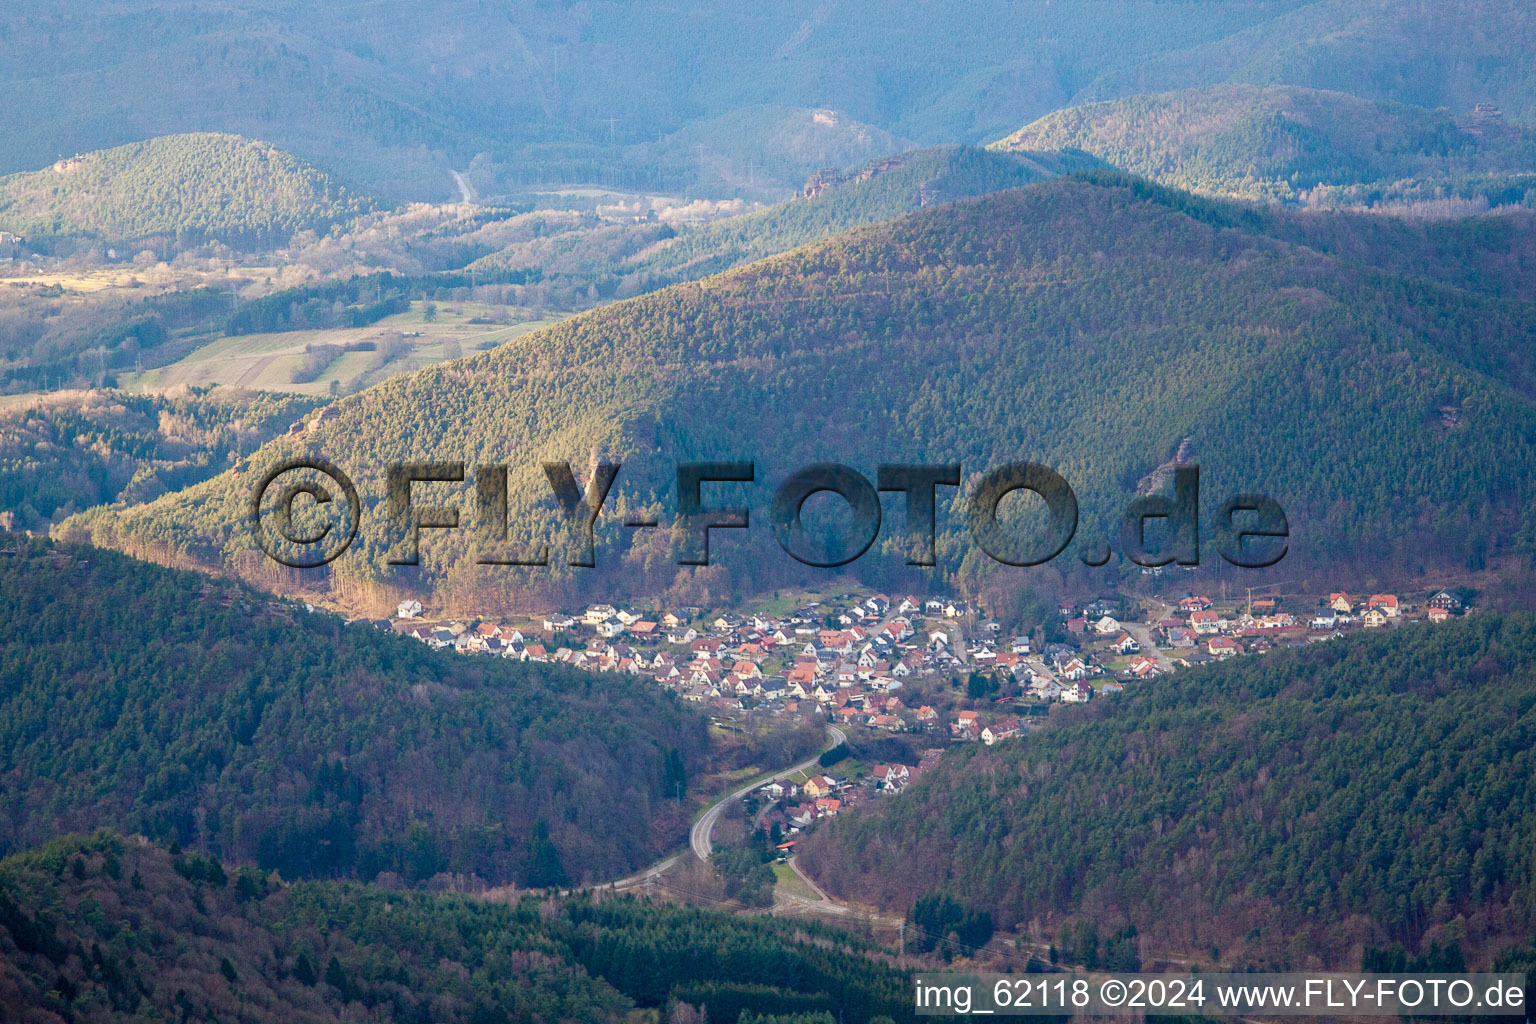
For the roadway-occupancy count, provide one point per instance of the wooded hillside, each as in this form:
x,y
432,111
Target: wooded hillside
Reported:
x,y
1286,811
197,711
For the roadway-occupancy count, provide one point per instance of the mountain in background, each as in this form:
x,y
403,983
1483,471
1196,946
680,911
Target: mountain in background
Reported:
x,y
1282,812
647,96
628,259
104,928
1373,376
179,188
1292,144
195,711
1399,51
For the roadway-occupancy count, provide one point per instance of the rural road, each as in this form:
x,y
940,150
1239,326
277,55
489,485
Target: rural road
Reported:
x,y
699,837
465,188
1143,634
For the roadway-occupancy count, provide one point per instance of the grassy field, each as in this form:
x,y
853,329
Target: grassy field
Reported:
x,y
268,361
790,884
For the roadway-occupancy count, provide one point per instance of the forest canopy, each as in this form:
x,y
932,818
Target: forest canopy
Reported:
x,y
1290,810
198,712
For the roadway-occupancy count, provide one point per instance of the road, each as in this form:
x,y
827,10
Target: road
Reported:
x,y
699,840
1143,634
465,188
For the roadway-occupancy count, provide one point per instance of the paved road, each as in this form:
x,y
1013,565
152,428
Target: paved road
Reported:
x,y
698,839
465,188
1143,634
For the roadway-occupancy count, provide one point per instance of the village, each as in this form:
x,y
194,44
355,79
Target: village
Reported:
x,y
933,670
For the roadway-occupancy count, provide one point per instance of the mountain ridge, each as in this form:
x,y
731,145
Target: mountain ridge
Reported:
x,y
1297,145
1131,316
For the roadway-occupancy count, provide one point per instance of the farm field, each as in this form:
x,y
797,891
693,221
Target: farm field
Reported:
x,y
269,361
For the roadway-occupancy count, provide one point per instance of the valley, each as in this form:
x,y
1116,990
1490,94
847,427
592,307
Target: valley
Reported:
x,y
685,392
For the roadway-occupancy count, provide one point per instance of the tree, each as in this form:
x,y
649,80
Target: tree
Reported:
x,y
544,868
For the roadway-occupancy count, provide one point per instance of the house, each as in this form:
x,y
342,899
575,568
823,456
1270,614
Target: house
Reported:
x,y
1387,603
598,613
1325,620
1077,625
891,776
1194,603
1126,644
1002,729
1144,667
1205,622
1019,645
1445,600
1181,636
610,628
1224,647
1106,626
558,623
1339,602
408,610
1374,618
1438,615
828,807
819,785
1074,668
966,725
927,715
1078,693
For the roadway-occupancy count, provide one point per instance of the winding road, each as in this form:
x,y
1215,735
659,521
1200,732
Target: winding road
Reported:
x,y
699,837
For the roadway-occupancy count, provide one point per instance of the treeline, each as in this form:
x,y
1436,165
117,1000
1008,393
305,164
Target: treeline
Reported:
x,y
354,302
50,343
1309,806
197,712
105,928
69,452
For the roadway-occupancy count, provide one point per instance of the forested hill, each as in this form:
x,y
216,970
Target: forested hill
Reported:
x,y
649,95
196,711
71,450
831,203
1359,793
104,929
1098,325
1300,145
878,191
181,188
